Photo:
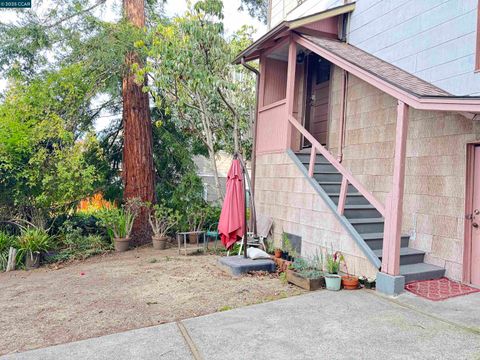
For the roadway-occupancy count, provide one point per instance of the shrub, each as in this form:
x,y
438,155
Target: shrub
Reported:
x,y
6,241
33,240
163,219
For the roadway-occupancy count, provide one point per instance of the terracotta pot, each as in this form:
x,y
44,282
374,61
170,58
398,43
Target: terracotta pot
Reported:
x,y
192,238
159,242
121,244
32,260
350,282
278,253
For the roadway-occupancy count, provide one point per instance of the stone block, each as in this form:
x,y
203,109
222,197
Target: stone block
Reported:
x,y
390,284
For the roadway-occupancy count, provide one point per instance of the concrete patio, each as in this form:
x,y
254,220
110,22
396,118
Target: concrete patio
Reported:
x,y
330,325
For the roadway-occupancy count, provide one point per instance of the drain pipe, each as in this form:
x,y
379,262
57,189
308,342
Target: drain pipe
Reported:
x,y
253,223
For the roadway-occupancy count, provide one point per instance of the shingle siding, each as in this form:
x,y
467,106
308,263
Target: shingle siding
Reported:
x,y
433,39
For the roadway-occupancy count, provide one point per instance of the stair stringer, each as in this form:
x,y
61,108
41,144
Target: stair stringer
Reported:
x,y
369,254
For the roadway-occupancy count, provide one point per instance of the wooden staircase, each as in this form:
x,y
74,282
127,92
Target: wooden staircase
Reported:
x,y
367,220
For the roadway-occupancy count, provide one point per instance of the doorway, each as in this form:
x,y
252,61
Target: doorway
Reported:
x,y
317,98
472,217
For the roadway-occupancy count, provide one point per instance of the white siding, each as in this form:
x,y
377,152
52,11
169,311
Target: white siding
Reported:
x,y
289,9
433,39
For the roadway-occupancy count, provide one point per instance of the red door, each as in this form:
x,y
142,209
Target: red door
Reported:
x,y
475,257
318,93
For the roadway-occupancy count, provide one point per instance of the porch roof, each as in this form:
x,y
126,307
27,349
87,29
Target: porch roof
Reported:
x,y
282,29
379,68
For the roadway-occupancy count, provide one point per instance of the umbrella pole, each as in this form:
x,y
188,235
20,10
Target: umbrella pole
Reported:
x,y
244,210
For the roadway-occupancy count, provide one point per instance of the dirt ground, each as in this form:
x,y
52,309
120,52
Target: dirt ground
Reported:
x,y
118,292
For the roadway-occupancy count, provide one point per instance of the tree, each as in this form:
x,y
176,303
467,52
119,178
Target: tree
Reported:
x,y
189,63
138,171
256,8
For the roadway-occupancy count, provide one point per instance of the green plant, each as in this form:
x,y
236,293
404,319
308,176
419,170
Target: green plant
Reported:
x,y
287,245
33,240
162,219
6,241
118,221
334,260
311,268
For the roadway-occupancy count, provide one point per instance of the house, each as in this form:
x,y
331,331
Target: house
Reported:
x,y
368,151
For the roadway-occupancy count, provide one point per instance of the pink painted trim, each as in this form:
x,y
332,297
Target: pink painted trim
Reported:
x,y
292,64
261,88
477,47
396,214
351,179
341,126
387,234
469,187
273,105
436,104
278,45
311,165
343,196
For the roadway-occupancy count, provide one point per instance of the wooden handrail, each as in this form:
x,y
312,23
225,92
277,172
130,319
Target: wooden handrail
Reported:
x,y
347,176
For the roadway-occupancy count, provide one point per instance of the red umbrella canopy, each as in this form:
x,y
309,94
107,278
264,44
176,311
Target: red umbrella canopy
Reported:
x,y
232,218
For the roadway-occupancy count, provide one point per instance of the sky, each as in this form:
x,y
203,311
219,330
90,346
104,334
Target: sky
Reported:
x,y
233,20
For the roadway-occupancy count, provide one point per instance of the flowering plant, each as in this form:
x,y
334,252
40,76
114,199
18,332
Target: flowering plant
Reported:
x,y
333,261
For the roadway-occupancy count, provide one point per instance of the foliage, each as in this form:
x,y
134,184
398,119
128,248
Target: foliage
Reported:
x,y
74,244
93,204
189,63
33,240
333,260
42,166
162,219
311,268
119,221
6,241
256,8
287,245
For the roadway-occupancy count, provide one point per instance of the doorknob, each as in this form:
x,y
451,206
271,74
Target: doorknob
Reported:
x,y
476,211
475,225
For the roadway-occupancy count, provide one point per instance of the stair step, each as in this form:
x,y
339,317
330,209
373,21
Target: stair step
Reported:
x,y
421,271
375,240
353,198
305,157
328,176
368,225
407,255
361,211
334,186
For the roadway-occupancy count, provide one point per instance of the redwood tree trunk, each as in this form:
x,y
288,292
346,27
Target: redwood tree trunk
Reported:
x,y
138,170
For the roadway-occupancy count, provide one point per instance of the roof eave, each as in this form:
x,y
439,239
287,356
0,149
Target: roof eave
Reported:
x,y
290,25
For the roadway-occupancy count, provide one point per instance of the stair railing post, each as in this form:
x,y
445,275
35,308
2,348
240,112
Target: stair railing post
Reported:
x,y
311,165
343,196
291,67
396,208
386,234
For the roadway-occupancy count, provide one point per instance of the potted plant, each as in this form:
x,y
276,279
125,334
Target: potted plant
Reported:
x,y
162,219
119,223
349,282
332,279
307,273
196,219
31,243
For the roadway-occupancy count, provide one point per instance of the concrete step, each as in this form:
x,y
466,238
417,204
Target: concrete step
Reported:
x,y
368,225
361,212
407,255
334,186
375,240
421,271
352,198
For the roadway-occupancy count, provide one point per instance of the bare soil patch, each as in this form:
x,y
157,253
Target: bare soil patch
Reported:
x,y
118,292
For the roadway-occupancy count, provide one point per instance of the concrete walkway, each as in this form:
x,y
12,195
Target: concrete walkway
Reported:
x,y
319,325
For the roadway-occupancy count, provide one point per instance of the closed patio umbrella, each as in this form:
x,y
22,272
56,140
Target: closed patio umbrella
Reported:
x,y
232,224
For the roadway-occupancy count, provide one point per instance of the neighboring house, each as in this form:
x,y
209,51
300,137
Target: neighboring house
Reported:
x,y
205,171
393,177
